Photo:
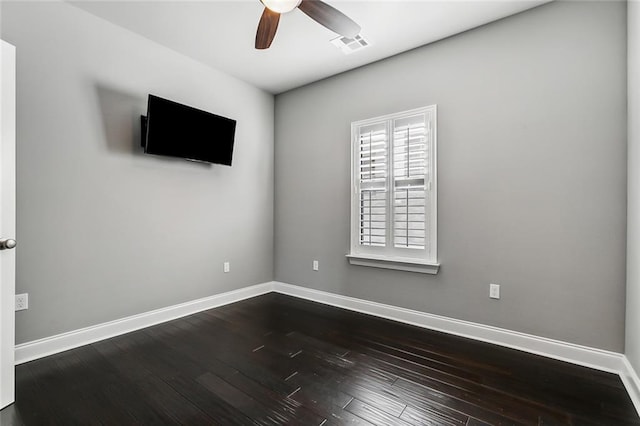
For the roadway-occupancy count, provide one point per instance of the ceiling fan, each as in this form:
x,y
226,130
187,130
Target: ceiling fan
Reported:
x,y
317,10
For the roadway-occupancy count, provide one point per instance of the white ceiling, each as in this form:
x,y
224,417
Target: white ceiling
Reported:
x,y
221,34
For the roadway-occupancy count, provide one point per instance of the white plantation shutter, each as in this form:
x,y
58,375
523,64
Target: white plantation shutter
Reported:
x,y
410,157
373,171
394,209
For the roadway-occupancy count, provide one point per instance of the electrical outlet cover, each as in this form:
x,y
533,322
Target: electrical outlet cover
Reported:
x,y
494,291
22,302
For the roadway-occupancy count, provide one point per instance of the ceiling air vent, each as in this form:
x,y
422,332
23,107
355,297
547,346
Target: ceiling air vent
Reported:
x,y
350,45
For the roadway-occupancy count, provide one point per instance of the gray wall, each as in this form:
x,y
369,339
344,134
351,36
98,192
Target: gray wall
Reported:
x,y
632,344
105,231
532,174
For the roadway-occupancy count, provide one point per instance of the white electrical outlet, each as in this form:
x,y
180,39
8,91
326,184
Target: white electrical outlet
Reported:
x,y
494,291
22,301
226,267
316,265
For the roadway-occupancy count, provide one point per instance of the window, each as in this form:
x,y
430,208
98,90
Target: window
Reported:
x,y
393,202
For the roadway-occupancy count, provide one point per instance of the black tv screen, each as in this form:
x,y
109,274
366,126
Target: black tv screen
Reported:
x,y
176,130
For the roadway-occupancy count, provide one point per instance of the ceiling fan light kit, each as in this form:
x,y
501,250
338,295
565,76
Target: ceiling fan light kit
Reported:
x,y
281,6
317,10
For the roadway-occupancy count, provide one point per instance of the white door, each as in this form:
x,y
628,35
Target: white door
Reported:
x,y
7,221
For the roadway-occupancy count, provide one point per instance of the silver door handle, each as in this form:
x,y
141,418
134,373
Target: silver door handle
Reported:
x,y
7,244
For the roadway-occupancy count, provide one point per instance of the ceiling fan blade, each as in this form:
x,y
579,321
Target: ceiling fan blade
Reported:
x,y
330,17
267,28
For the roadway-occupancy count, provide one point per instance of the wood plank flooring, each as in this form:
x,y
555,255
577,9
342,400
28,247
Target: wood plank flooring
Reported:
x,y
278,360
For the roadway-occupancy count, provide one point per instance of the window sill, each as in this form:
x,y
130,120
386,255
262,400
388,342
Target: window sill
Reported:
x,y
394,263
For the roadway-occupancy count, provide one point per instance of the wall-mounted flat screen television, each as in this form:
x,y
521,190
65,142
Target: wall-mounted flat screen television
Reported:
x,y
176,130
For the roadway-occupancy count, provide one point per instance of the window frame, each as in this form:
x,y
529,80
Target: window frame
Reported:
x,y
389,256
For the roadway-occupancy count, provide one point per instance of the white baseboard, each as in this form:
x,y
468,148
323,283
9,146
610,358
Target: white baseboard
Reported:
x,y
631,382
61,342
598,359
582,355
576,354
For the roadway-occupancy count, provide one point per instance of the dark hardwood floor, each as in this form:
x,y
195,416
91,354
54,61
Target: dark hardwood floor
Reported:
x,y
275,360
